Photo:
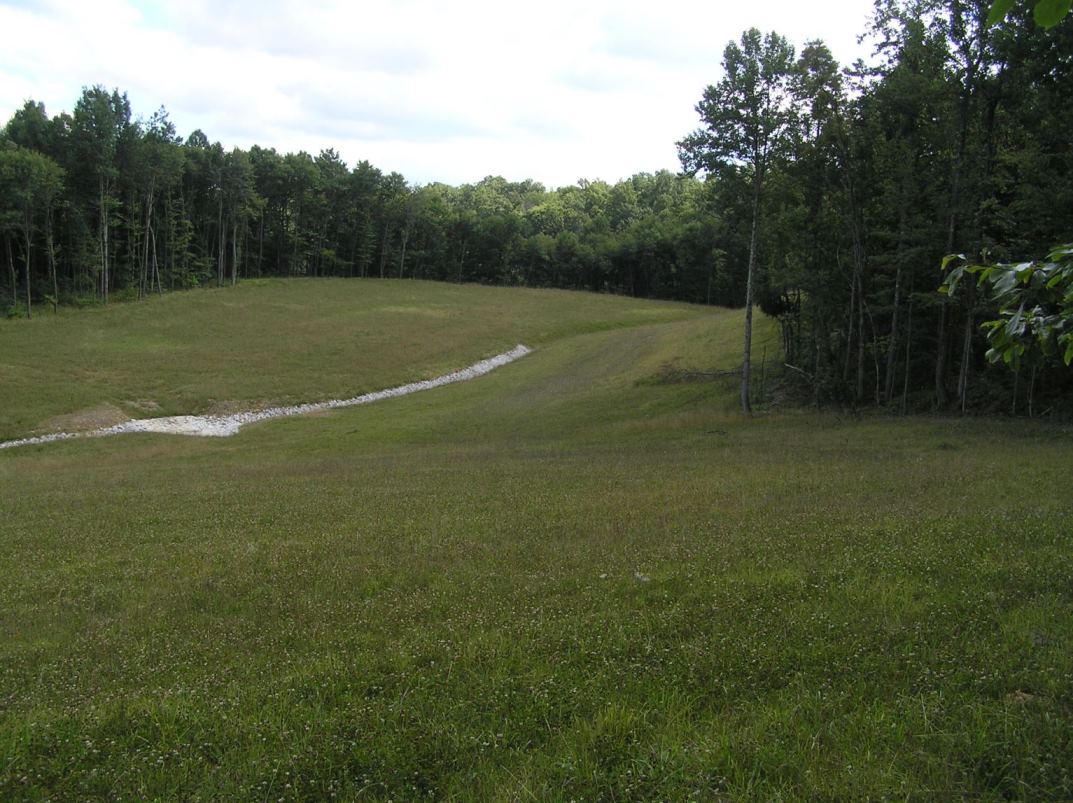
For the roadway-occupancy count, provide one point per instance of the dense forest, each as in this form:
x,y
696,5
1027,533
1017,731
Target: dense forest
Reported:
x,y
842,202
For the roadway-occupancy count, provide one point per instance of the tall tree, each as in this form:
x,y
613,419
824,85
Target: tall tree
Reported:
x,y
747,119
29,185
100,122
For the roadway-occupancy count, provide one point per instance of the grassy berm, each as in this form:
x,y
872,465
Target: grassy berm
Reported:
x,y
582,577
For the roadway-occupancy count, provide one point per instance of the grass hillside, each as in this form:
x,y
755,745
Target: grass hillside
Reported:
x,y
578,577
275,342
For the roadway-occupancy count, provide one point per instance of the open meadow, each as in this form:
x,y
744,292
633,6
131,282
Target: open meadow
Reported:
x,y
584,576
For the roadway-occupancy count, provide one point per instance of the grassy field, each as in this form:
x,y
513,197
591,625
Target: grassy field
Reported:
x,y
575,578
274,342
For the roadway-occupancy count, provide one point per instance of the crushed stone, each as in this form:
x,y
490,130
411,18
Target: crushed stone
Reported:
x,y
223,426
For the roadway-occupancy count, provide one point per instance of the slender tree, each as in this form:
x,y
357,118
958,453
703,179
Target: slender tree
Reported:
x,y
746,123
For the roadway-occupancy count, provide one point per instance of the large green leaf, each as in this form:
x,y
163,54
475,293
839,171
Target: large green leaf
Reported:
x,y
1049,13
999,10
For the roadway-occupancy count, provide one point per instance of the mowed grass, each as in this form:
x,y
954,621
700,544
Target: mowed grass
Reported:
x,y
569,579
271,342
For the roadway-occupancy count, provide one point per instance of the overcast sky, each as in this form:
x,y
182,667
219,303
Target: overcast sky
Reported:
x,y
446,91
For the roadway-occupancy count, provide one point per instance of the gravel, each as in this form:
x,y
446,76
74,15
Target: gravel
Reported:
x,y
223,426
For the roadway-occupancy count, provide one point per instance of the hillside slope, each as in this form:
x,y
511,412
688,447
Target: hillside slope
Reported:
x,y
275,342
582,576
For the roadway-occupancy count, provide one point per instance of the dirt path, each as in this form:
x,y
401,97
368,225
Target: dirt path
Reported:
x,y
222,426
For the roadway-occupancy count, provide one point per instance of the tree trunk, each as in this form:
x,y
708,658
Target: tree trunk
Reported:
x,y
908,350
11,268
749,284
26,263
461,260
222,247
383,249
145,251
849,334
281,240
156,270
294,253
402,256
51,248
951,231
892,343
966,350
859,393
940,359
104,242
234,254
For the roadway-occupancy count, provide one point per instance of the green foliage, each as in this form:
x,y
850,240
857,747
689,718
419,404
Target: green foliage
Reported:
x,y
1047,13
747,114
1035,305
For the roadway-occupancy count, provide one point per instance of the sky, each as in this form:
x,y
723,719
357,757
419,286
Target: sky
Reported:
x,y
555,91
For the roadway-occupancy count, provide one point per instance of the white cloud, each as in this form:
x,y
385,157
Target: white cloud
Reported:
x,y
438,91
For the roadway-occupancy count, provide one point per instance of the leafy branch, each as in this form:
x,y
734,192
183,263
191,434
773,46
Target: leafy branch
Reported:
x,y
1035,304
1047,13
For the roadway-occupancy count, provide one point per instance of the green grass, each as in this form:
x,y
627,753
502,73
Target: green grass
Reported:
x,y
272,342
569,579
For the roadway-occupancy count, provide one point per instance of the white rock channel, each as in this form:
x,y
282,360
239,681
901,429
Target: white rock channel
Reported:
x,y
222,426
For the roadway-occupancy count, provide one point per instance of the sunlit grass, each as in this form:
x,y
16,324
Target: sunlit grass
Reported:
x,y
569,579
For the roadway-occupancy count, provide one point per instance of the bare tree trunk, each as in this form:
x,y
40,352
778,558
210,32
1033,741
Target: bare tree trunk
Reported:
x,y
747,352
145,253
383,249
815,366
50,246
402,256
104,242
908,351
294,255
940,359
849,334
888,385
875,350
951,229
11,268
26,263
156,270
966,350
222,249
234,254
260,241
859,393
892,343
281,241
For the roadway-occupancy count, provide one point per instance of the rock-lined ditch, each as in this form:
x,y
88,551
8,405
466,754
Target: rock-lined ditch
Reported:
x,y
222,426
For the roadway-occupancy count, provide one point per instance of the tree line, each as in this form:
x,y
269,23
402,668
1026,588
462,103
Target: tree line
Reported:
x,y
827,195
96,203
847,187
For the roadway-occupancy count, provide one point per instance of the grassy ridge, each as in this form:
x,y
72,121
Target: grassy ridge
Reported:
x,y
274,342
571,579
